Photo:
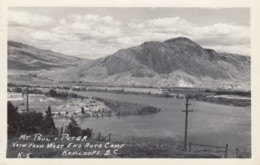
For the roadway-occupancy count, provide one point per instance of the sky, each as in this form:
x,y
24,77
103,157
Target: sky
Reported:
x,y
96,32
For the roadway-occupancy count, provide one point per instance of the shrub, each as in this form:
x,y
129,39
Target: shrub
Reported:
x,y
53,93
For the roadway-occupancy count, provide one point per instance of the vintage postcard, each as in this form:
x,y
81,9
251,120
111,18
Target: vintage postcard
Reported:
x,y
115,82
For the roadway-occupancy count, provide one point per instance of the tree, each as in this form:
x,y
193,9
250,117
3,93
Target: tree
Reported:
x,y
12,117
82,110
29,122
48,123
73,127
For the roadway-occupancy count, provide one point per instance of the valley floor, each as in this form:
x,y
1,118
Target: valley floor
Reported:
x,y
227,120
230,97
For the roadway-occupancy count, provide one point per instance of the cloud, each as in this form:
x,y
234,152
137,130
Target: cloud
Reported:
x,y
89,35
242,49
89,27
158,29
123,40
24,18
42,36
223,36
163,26
174,24
94,36
222,30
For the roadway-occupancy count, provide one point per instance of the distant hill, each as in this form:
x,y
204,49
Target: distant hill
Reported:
x,y
176,62
26,57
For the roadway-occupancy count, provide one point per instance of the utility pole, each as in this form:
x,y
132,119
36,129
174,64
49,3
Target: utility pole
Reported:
x,y
27,98
186,120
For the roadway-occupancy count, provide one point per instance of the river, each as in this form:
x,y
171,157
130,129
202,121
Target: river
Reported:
x,y
208,124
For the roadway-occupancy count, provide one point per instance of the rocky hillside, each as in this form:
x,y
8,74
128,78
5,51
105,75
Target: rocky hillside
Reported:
x,y
175,62
25,57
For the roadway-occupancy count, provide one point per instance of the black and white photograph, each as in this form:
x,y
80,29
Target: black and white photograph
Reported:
x,y
128,82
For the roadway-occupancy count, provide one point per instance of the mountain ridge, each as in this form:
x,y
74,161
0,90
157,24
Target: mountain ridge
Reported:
x,y
174,62
27,57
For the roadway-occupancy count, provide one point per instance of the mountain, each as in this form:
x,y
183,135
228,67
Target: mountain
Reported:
x,y
176,62
25,57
